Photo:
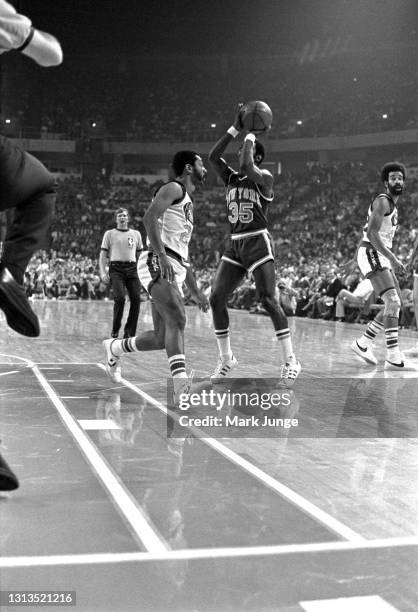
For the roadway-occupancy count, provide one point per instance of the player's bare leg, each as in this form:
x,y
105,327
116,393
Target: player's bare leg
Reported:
x,y
228,278
169,322
386,286
265,277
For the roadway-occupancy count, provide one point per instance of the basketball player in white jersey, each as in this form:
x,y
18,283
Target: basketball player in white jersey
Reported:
x,y
164,268
378,263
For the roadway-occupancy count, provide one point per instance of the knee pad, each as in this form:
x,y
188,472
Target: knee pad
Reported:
x,y
392,303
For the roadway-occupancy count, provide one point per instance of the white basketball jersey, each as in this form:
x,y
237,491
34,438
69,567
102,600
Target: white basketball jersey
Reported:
x,y
176,224
389,223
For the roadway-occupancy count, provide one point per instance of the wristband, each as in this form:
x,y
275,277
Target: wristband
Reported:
x,y
250,137
27,41
233,131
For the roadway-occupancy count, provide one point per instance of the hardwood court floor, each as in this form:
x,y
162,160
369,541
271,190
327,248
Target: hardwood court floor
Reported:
x,y
131,516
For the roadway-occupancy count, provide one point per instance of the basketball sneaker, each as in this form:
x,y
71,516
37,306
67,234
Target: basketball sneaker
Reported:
x,y
365,352
289,372
397,362
224,368
113,369
181,387
411,352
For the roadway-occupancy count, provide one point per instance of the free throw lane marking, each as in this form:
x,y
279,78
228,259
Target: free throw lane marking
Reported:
x,y
122,499
309,508
207,553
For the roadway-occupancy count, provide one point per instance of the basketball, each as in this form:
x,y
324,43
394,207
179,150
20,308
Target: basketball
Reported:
x,y
257,116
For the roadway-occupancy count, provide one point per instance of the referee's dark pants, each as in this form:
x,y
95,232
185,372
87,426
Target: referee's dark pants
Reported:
x,y
124,275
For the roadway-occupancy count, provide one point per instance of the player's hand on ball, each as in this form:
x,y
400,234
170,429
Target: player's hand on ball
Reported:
x,y
105,278
238,125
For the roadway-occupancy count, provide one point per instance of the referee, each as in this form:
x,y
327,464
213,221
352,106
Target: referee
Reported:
x,y
122,247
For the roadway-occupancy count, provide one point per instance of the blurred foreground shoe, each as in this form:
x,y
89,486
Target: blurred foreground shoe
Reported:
x,y
15,305
8,481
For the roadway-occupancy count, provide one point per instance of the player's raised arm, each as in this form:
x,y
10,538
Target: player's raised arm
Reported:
x,y
252,154
17,33
215,154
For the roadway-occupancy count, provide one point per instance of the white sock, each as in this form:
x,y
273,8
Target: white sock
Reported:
x,y
224,344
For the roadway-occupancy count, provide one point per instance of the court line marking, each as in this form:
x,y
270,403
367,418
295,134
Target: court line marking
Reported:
x,y
11,372
75,396
207,553
298,500
98,424
120,496
364,603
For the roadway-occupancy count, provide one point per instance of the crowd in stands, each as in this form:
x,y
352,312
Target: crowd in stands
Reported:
x,y
315,221
350,93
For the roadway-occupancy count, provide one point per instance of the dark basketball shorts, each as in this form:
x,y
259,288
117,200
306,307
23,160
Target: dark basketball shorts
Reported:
x,y
149,270
250,252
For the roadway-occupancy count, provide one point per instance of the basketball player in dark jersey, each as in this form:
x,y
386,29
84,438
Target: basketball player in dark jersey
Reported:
x,y
163,269
378,263
27,187
248,193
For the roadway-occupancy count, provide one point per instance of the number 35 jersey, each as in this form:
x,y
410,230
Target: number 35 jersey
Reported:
x,y
246,205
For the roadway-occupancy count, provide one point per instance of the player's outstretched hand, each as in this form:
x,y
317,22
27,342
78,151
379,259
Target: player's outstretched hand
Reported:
x,y
238,117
